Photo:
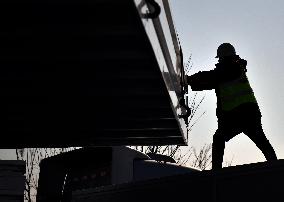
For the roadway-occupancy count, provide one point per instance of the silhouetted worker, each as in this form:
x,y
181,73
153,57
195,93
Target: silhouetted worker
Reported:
x,y
237,109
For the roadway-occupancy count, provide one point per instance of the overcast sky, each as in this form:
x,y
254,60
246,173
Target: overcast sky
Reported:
x,y
256,29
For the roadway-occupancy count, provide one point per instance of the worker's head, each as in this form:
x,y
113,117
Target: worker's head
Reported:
x,y
225,49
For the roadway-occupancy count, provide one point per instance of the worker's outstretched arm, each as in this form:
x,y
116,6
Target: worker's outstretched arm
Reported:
x,y
205,80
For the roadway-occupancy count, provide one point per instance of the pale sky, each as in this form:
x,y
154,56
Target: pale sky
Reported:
x,y
256,29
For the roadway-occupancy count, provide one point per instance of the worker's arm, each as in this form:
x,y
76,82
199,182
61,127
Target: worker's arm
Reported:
x,y
205,80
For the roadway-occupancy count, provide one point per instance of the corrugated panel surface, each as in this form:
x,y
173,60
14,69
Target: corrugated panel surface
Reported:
x,y
80,73
12,180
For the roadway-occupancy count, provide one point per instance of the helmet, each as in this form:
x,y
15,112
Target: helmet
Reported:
x,y
225,49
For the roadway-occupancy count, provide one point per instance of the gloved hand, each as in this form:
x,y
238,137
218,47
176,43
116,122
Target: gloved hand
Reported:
x,y
188,80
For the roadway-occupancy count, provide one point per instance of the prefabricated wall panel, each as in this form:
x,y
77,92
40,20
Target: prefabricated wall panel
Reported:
x,y
83,73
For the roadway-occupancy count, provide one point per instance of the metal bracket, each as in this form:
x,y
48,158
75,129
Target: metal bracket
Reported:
x,y
184,90
155,10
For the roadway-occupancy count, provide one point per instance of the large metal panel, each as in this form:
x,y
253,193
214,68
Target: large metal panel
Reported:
x,y
164,40
82,73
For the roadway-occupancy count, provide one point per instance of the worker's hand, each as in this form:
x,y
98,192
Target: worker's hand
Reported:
x,y
188,80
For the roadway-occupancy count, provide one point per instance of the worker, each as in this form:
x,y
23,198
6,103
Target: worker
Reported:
x,y
237,109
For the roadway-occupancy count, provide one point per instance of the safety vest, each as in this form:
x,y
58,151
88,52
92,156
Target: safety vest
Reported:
x,y
235,93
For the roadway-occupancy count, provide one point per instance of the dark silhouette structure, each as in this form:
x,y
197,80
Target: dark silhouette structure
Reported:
x,y
246,183
237,109
12,180
59,63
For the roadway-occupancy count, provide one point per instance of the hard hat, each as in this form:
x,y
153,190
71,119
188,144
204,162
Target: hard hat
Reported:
x,y
225,49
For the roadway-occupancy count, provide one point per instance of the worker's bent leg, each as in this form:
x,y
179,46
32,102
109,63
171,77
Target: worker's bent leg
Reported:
x,y
218,150
257,135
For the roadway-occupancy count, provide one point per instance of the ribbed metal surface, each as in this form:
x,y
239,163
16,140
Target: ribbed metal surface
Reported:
x,y
79,73
12,180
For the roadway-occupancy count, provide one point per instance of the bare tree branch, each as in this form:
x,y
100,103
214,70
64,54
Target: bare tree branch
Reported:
x,y
32,157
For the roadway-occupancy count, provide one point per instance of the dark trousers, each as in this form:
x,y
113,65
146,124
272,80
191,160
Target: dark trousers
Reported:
x,y
247,119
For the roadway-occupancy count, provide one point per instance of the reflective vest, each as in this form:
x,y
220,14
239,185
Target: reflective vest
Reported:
x,y
235,93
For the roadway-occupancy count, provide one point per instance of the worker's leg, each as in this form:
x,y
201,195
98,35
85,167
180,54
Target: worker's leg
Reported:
x,y
258,137
218,149
256,134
